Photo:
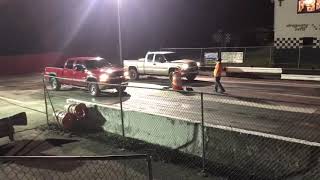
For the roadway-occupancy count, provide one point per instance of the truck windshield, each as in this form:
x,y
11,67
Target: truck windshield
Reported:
x,y
171,57
93,64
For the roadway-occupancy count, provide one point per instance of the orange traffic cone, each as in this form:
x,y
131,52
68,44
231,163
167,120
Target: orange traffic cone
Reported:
x,y
177,80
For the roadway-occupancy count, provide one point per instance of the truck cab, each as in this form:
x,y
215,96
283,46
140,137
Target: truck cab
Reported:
x,y
161,63
94,73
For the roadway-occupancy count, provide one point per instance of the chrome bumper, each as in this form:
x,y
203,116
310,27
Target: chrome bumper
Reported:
x,y
113,83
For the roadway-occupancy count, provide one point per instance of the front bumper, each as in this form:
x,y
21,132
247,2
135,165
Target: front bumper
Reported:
x,y
113,83
191,71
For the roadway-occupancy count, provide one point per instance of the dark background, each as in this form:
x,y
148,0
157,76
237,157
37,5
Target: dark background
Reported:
x,y
89,27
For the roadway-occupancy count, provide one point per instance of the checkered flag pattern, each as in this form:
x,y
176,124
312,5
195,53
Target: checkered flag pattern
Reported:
x,y
316,43
288,43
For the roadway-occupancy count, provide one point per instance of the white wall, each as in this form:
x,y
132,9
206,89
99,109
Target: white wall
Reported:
x,y
286,16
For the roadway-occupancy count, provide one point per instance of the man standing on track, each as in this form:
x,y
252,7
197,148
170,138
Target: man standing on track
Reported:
x,y
217,74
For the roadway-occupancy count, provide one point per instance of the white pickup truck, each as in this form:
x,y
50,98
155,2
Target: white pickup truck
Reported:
x,y
161,63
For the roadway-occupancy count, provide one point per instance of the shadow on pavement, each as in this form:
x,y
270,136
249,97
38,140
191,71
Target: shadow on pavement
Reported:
x,y
31,147
165,82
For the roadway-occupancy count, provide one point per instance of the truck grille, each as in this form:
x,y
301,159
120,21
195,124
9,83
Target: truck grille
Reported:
x,y
193,68
117,74
193,64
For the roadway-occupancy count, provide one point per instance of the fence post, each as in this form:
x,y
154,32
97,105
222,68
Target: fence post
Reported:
x,y
244,55
299,58
203,171
53,109
121,111
270,57
45,100
149,168
201,56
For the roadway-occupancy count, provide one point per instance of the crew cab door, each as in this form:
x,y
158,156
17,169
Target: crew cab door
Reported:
x,y
160,65
79,74
148,63
68,73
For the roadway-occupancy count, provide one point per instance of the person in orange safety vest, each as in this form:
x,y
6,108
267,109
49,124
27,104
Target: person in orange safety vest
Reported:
x,y
217,75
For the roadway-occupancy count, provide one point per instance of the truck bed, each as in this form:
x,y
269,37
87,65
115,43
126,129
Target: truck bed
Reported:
x,y
53,70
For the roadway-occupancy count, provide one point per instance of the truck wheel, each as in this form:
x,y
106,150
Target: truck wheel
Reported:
x,y
134,75
55,84
171,76
191,77
94,89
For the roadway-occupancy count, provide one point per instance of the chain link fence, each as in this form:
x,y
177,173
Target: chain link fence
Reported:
x,y
243,137
264,56
84,167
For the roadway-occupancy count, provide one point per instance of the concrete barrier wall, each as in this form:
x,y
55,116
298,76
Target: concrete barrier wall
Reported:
x,y
29,63
159,130
241,150
253,70
273,73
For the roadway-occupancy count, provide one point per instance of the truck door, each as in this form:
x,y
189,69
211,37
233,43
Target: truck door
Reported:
x,y
68,72
79,74
160,65
148,64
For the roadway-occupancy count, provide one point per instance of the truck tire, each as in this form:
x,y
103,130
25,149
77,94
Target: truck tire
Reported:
x,y
133,74
171,75
55,84
191,77
94,89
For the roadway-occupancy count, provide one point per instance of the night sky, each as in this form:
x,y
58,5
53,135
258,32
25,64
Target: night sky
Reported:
x,y
89,27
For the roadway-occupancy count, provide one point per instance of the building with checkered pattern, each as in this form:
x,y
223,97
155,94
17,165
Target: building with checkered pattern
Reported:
x,y
297,23
297,32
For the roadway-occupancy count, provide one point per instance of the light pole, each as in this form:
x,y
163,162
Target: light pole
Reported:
x,y
119,32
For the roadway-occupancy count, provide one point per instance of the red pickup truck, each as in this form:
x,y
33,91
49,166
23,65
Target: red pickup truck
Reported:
x,y
87,72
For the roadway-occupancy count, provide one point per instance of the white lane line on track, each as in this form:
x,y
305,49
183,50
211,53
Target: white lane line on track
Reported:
x,y
300,77
22,104
12,100
18,102
267,135
250,132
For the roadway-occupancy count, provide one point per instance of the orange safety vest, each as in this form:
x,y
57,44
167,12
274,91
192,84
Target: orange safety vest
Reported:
x,y
217,70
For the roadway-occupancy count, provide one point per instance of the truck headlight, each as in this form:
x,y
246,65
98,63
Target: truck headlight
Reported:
x,y
126,74
103,77
185,66
198,64
109,71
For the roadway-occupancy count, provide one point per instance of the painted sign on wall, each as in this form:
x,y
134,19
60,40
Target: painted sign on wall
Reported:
x,y
232,57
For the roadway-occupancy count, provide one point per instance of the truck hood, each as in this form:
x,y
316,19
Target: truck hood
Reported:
x,y
108,70
183,61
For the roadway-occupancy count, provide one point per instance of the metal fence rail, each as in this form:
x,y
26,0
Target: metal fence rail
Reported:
x,y
76,167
